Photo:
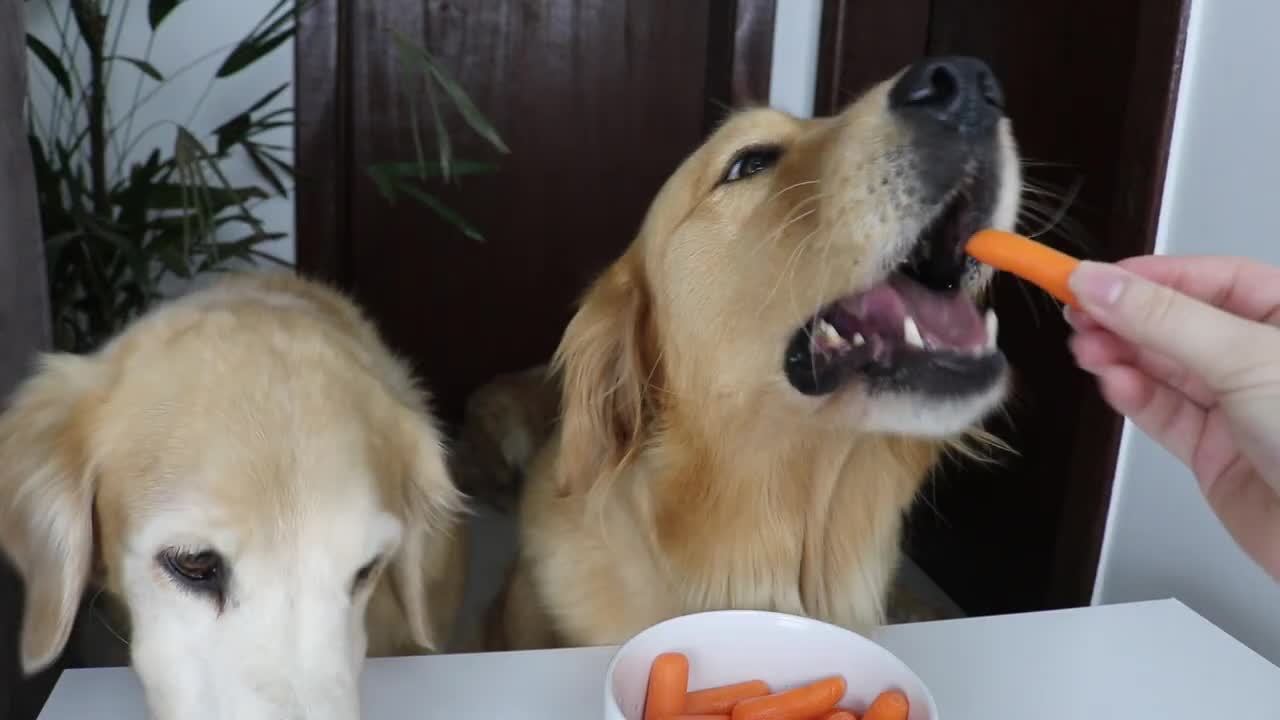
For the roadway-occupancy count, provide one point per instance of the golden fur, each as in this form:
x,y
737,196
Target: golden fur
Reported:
x,y
504,423
685,474
217,396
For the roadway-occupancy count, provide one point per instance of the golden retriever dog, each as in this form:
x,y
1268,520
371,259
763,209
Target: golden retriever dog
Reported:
x,y
755,391
255,482
503,425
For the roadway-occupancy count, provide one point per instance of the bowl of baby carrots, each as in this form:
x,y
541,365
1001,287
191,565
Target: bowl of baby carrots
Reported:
x,y
755,665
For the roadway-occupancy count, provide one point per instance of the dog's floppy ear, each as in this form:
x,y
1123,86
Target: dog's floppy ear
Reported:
x,y
430,504
46,500
605,371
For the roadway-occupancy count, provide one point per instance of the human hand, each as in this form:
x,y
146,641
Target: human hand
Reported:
x,y
1188,348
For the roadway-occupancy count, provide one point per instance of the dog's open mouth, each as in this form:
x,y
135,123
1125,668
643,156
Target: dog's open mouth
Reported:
x,y
918,329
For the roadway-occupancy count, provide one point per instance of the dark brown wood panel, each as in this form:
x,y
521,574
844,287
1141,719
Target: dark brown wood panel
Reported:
x,y
323,108
1089,87
739,55
1131,229
598,100
864,41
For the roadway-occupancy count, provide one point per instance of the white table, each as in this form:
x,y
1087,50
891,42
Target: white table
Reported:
x,y
1156,660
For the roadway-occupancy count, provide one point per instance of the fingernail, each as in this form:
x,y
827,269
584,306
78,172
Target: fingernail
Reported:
x,y
1098,284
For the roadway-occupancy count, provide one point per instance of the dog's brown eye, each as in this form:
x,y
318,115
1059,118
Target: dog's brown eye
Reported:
x,y
750,161
202,571
363,575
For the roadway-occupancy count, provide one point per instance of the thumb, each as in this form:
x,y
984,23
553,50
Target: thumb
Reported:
x,y
1221,348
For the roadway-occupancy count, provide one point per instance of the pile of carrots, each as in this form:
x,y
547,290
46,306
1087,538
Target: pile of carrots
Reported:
x,y
668,698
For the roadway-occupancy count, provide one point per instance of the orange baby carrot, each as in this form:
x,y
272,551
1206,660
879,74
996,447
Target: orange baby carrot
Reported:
x,y
839,715
697,717
668,683
1032,261
890,705
721,699
798,704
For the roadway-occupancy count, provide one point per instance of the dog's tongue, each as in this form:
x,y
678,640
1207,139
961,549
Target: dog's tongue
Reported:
x,y
945,319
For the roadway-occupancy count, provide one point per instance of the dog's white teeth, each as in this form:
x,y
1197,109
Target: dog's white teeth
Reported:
x,y
830,337
993,329
858,340
911,332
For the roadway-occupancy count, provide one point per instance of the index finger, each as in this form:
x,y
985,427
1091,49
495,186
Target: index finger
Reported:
x,y
1229,352
1239,286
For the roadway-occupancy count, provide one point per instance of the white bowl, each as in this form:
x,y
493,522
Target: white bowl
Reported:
x,y
785,651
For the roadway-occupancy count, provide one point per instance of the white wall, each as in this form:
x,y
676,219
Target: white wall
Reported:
x,y
196,29
793,75
1221,197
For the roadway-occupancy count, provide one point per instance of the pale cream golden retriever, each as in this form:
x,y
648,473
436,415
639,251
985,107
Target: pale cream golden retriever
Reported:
x,y
754,393
258,486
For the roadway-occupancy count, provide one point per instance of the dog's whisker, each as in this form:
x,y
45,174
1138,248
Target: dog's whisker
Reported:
x,y
795,253
788,270
823,287
102,619
789,188
1051,215
787,221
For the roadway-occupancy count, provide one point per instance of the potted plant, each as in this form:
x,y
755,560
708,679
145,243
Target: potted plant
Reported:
x,y
129,213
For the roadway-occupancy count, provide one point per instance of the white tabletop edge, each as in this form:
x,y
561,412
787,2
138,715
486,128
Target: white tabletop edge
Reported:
x,y
1154,659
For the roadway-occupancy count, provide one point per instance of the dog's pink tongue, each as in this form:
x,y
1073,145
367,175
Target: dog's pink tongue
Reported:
x,y
945,319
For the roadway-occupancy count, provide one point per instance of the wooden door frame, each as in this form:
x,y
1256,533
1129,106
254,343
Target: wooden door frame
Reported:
x,y
738,73
861,42
1144,158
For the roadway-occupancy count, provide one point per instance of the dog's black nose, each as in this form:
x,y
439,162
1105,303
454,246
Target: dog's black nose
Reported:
x,y
956,93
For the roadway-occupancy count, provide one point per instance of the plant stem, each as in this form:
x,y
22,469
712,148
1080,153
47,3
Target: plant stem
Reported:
x,y
93,27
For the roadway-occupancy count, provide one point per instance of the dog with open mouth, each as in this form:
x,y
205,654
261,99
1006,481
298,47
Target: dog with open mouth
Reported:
x,y
755,391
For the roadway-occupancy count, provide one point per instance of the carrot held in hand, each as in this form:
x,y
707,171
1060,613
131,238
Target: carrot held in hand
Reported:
x,y
688,716
890,705
720,700
1034,262
668,684
801,703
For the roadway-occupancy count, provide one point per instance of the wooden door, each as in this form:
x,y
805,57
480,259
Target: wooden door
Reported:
x,y
1090,87
598,101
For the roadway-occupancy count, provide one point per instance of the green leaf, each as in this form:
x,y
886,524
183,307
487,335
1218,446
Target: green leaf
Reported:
x,y
440,209
469,111
262,102
233,132
158,10
49,59
384,183
175,261
444,143
265,37
281,165
410,52
260,164
186,148
178,196
55,244
246,54
143,66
